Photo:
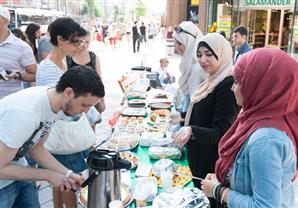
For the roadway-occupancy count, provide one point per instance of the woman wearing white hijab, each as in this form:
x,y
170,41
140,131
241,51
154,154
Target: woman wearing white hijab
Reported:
x,y
186,37
213,106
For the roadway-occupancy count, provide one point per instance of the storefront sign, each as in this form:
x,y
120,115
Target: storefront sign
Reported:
x,y
225,24
195,2
277,4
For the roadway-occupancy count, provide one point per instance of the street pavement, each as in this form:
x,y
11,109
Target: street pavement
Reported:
x,y
115,62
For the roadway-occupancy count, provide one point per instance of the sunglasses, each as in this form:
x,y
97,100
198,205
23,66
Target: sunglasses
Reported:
x,y
77,42
179,29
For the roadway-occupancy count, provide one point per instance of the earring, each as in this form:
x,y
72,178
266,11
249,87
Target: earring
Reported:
x,y
60,47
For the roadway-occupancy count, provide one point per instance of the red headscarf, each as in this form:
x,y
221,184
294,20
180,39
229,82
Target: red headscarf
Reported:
x,y
269,86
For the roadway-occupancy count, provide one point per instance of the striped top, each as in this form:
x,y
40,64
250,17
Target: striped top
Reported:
x,y
15,55
48,73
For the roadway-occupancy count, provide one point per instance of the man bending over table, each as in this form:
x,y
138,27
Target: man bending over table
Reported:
x,y
26,118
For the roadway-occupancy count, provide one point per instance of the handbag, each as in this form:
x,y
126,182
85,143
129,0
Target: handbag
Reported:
x,y
68,137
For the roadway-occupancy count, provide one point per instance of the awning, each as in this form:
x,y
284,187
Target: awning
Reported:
x,y
39,12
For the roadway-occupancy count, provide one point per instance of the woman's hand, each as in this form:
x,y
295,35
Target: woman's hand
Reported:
x,y
182,136
208,184
174,117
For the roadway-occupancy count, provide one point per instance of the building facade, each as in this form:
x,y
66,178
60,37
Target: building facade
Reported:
x,y
271,23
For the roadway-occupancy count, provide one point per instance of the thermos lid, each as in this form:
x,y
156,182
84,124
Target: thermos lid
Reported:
x,y
105,160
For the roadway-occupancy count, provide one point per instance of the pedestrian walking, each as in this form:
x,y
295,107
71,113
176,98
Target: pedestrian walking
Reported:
x,y
135,37
239,38
143,33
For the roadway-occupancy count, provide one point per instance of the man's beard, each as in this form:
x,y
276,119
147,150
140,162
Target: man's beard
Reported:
x,y
68,108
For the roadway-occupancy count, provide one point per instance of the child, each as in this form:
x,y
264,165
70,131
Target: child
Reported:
x,y
163,74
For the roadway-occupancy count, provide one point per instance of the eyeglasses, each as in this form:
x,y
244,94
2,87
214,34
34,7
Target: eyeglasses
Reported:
x,y
179,29
77,42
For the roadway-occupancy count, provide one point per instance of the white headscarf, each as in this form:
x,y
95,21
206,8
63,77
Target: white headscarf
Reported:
x,y
189,57
222,48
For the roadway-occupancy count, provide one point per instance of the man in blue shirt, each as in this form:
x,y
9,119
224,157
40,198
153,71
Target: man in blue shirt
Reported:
x,y
239,39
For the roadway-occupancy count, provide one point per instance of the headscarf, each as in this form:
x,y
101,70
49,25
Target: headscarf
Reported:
x,y
269,83
189,57
222,48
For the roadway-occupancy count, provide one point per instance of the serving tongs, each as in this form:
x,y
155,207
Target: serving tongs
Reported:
x,y
190,176
95,146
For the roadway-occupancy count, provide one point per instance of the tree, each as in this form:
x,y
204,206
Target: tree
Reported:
x,y
98,11
115,13
140,9
84,10
90,4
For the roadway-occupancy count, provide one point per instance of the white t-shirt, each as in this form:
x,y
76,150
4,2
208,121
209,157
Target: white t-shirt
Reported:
x,y
21,114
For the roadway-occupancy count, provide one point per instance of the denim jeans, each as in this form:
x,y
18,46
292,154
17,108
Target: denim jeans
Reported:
x,y
19,194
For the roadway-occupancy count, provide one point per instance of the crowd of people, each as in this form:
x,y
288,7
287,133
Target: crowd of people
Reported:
x,y
240,130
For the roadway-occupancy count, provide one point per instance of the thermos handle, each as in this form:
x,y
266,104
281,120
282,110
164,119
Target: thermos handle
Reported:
x,y
90,179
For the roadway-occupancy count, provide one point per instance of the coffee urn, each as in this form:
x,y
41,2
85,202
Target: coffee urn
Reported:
x,y
104,182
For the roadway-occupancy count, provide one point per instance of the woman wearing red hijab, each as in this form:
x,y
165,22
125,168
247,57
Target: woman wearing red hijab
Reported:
x,y
258,154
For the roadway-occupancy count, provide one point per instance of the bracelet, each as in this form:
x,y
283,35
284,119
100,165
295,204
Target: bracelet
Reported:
x,y
213,190
218,190
68,173
223,195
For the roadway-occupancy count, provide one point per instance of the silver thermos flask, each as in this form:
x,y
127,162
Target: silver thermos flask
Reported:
x,y
104,182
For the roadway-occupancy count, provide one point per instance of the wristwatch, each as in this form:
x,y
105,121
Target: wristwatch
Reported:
x,y
19,76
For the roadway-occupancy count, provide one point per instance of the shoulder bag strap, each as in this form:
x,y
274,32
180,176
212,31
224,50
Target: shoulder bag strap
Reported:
x,y
28,144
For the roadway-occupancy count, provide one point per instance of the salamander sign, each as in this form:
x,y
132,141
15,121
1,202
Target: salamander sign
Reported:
x,y
277,4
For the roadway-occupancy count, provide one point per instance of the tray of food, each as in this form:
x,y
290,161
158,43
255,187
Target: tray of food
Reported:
x,y
157,152
136,103
178,180
134,112
122,141
126,196
156,106
131,157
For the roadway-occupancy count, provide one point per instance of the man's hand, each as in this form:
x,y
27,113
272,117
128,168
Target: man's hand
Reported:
x,y
182,136
102,105
76,180
59,181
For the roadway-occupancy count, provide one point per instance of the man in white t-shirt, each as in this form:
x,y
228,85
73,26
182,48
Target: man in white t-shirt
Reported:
x,y
25,119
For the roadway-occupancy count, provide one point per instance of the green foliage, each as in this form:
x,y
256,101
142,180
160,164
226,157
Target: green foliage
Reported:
x,y
115,13
98,11
140,9
84,10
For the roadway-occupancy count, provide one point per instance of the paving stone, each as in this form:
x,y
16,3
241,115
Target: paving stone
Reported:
x,y
45,194
47,204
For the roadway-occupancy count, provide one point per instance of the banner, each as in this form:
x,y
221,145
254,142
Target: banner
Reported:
x,y
225,24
